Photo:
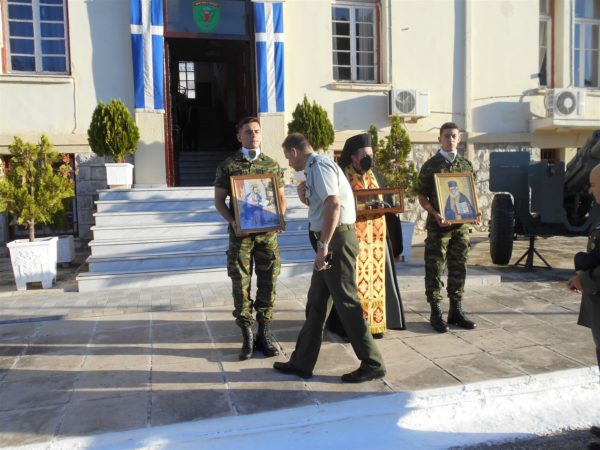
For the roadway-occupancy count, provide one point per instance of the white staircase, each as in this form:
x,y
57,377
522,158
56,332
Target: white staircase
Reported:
x,y
147,237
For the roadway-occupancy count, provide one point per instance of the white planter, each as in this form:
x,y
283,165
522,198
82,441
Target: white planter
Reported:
x,y
65,249
408,229
34,261
119,175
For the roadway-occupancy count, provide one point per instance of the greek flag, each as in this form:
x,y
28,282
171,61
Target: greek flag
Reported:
x,y
268,28
147,51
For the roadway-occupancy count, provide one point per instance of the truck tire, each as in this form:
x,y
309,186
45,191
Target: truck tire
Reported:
x,y
502,229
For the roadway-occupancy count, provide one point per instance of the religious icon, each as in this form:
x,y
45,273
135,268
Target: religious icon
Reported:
x,y
378,201
256,203
457,197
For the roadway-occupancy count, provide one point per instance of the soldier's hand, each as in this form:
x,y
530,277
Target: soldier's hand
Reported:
x,y
238,231
574,283
440,220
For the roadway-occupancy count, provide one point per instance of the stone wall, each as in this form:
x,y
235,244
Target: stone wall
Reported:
x,y
481,166
91,176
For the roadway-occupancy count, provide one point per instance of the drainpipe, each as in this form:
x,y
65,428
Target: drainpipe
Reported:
x,y
470,148
389,40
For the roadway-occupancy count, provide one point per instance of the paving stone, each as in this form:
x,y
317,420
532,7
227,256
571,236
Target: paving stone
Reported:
x,y
441,345
475,367
192,374
29,426
496,339
105,414
584,352
99,384
251,398
183,405
418,373
536,359
16,394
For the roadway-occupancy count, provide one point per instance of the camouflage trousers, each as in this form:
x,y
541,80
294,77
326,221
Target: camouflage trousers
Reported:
x,y
258,252
446,247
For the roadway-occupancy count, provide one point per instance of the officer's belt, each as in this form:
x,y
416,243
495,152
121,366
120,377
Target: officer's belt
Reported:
x,y
339,228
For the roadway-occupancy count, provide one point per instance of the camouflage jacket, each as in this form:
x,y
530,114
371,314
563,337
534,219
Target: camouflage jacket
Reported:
x,y
438,164
236,164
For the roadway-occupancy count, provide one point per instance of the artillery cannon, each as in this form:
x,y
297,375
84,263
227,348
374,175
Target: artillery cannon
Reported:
x,y
540,199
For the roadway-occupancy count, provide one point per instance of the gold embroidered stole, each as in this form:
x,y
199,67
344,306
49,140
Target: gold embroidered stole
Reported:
x,y
370,264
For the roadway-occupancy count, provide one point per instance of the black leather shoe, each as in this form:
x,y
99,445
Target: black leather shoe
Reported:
x,y
361,375
594,444
436,320
287,367
456,316
595,430
378,336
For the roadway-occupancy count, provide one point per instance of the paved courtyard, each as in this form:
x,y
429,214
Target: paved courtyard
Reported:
x,y
74,364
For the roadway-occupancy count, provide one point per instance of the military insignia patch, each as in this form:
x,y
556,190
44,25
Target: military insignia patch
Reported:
x,y
206,15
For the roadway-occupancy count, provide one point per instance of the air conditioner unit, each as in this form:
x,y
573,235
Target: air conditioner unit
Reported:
x,y
408,102
567,102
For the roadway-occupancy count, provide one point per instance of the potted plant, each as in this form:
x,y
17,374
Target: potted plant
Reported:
x,y
393,159
32,192
114,133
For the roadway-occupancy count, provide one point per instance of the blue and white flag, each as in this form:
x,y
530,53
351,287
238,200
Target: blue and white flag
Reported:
x,y
147,48
268,28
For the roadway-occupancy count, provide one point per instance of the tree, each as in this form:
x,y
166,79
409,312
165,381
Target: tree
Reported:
x,y
392,158
112,131
32,190
313,123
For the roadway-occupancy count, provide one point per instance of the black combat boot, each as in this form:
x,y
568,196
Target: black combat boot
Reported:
x,y
264,340
436,319
247,347
456,316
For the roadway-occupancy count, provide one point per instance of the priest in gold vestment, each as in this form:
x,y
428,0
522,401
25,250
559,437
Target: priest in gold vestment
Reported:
x,y
375,271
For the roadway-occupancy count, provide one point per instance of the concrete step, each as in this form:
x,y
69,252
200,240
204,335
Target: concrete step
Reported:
x,y
180,230
201,259
157,193
91,282
214,243
153,217
116,206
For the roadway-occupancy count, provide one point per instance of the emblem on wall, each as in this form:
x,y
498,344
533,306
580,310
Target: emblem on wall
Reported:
x,y
206,15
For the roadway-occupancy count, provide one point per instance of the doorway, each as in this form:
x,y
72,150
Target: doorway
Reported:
x,y
209,91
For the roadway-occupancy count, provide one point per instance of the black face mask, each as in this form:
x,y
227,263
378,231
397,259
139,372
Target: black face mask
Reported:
x,y
366,162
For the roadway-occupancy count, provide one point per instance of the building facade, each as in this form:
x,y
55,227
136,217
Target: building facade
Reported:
x,y
513,74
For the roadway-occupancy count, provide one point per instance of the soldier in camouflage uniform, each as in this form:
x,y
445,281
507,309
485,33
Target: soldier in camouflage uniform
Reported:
x,y
247,251
445,244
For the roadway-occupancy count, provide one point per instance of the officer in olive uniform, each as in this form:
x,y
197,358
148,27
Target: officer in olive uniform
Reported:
x,y
587,282
247,251
445,244
331,214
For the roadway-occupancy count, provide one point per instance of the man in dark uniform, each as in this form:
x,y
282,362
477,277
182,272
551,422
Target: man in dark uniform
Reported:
x,y
246,251
445,244
587,282
331,214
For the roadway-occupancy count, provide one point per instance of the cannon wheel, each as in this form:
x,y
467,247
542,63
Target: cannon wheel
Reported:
x,y
502,229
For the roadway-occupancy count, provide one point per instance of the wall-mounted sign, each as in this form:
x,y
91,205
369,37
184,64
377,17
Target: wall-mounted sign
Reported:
x,y
206,15
206,18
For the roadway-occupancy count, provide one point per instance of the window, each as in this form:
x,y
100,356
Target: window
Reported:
x,y
544,62
354,42
586,39
36,32
187,83
549,154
